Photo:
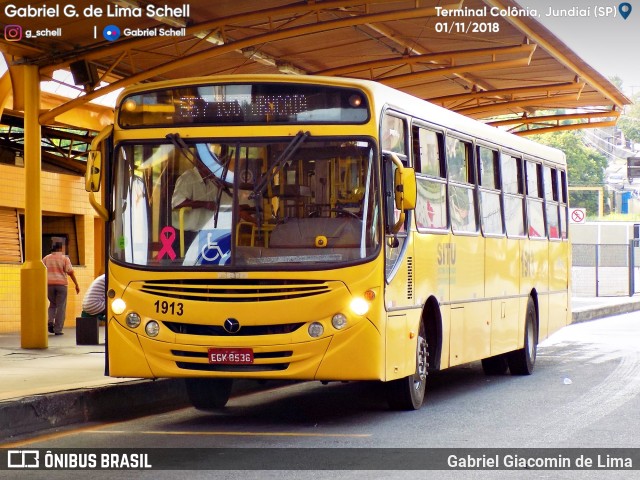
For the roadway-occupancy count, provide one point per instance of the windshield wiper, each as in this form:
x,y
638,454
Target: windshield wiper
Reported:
x,y
286,154
180,144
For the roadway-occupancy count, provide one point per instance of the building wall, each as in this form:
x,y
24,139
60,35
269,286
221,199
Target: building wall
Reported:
x,y
67,210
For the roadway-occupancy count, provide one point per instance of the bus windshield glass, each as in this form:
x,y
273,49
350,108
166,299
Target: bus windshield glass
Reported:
x,y
294,202
241,104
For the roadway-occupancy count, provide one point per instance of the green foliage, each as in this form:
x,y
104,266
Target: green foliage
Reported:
x,y
629,121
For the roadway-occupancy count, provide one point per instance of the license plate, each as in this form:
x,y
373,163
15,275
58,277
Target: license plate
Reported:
x,y
230,356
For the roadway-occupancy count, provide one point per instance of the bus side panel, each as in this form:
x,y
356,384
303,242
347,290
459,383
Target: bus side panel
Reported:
x,y
470,332
432,261
470,322
559,314
540,275
502,271
467,268
397,345
535,276
402,324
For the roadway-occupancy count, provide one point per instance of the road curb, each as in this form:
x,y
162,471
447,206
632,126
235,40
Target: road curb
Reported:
x,y
117,401
602,312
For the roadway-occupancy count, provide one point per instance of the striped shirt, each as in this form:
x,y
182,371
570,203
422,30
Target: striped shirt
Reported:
x,y
94,300
58,266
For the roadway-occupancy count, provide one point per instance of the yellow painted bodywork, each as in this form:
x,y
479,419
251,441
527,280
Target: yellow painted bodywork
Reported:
x,y
480,286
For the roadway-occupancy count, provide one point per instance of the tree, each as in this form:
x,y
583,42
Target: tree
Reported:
x,y
585,165
629,121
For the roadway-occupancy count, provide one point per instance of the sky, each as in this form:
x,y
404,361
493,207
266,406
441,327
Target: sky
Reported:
x,y
611,45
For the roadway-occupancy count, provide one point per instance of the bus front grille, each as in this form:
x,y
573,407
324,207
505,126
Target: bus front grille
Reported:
x,y
234,290
219,331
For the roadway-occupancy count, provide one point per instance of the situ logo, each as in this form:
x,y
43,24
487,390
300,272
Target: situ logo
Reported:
x,y
23,459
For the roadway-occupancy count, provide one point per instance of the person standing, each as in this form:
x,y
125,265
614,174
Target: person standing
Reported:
x,y
58,268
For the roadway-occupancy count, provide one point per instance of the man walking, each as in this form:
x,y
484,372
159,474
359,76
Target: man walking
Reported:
x,y
58,268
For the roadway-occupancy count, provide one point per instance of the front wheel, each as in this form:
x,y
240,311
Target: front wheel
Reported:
x,y
208,393
521,362
408,393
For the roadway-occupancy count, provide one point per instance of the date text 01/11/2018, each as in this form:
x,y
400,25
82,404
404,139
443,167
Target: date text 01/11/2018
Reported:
x,y
467,27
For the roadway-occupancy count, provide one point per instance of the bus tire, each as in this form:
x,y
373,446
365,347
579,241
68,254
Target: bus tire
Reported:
x,y
521,362
208,394
496,365
408,393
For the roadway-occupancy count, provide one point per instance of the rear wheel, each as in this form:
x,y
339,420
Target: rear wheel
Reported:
x,y
208,393
408,393
521,362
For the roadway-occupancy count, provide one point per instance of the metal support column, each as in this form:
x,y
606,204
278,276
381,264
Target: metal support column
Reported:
x,y
33,275
633,243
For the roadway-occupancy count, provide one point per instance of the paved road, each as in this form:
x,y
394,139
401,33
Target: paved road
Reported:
x,y
585,393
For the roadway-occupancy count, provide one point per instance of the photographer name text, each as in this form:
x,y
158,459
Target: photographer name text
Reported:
x,y
92,11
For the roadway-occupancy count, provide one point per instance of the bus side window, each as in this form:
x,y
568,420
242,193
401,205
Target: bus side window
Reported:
x,y
460,169
535,213
513,189
551,198
394,135
563,197
489,183
431,203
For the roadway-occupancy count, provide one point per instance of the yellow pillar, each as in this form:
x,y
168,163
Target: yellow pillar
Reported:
x,y
33,275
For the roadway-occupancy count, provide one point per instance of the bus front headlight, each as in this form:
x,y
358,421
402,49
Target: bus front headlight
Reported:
x,y
339,321
316,330
118,306
359,306
133,320
152,328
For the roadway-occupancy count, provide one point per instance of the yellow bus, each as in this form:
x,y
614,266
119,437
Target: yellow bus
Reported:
x,y
331,229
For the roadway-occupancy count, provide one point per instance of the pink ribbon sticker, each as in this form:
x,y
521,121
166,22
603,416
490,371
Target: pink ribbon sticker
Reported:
x,y
167,236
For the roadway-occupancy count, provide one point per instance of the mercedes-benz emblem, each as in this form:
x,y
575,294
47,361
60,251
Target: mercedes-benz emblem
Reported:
x,y
231,325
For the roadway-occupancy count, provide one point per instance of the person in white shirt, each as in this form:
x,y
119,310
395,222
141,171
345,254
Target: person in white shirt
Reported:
x,y
195,189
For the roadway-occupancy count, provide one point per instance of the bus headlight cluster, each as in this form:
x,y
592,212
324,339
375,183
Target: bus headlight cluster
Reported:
x,y
339,321
118,306
316,330
152,328
359,306
133,320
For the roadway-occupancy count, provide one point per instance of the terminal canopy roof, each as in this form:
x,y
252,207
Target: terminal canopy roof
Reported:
x,y
509,71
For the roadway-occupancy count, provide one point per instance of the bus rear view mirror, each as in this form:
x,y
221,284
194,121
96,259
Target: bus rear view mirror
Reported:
x,y
93,176
404,185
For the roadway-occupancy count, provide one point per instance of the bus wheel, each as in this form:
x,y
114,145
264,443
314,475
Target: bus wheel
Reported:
x,y
208,393
521,362
408,393
495,365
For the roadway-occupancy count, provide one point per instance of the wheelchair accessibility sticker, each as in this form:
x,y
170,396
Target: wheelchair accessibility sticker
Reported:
x,y
214,247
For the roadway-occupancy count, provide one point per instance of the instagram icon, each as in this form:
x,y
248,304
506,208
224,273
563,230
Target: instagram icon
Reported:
x,y
13,33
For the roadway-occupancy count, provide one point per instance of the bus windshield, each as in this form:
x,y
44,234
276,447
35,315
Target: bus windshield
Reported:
x,y
236,203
